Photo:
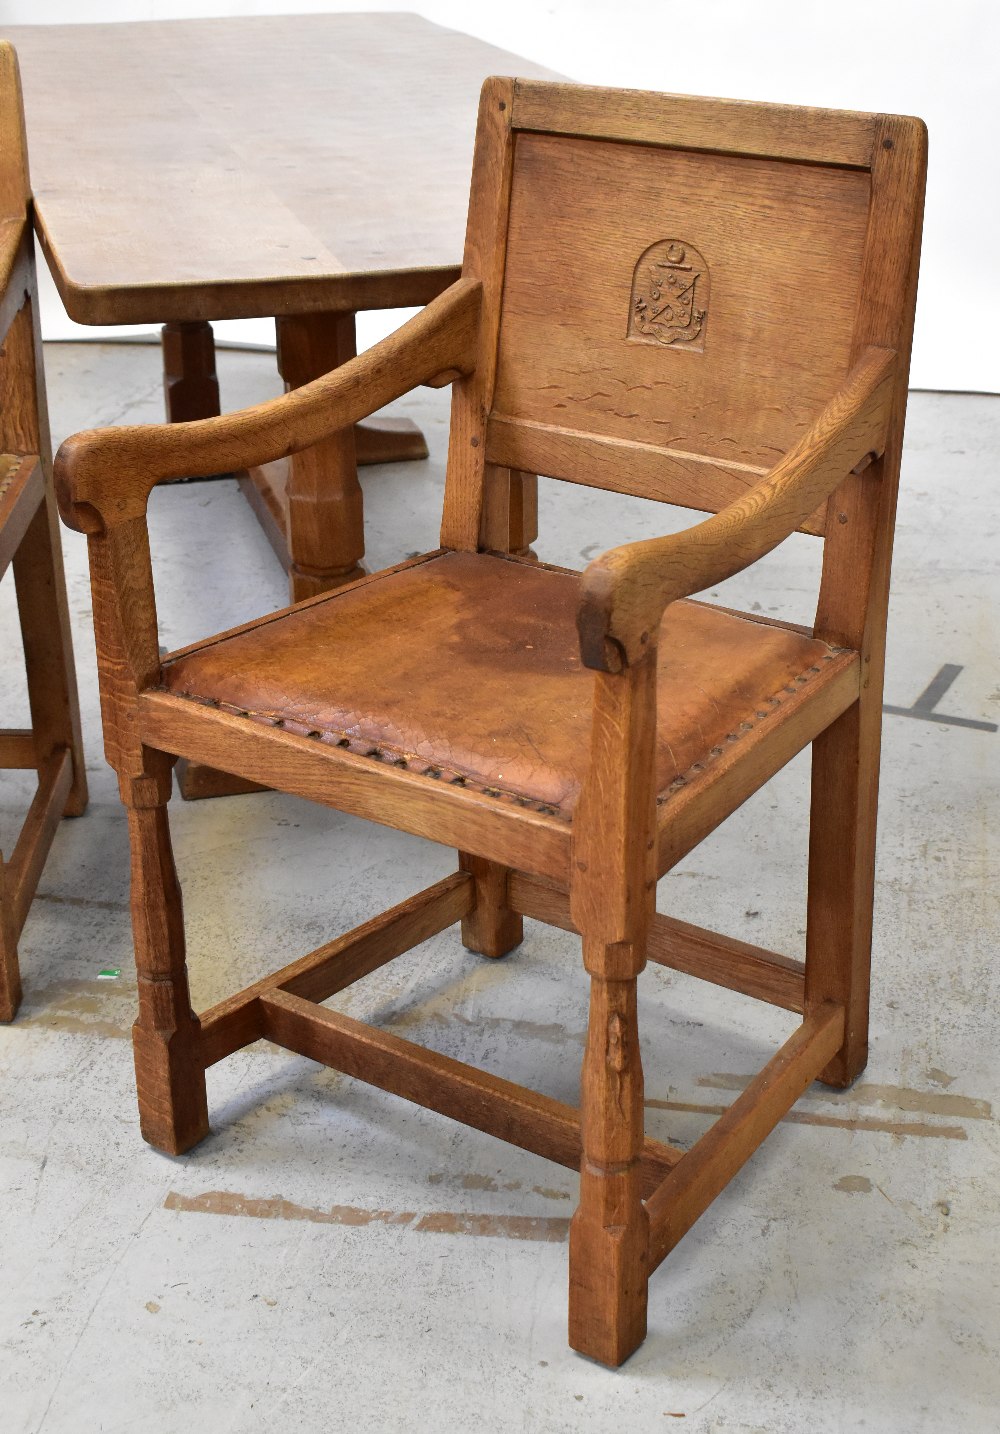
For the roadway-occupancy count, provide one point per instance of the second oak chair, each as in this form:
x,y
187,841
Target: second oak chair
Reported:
x,y
29,544
702,302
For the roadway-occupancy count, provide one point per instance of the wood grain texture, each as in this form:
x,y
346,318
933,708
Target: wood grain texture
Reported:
x,y
15,182
782,246
384,440
738,127
39,579
196,783
181,196
736,965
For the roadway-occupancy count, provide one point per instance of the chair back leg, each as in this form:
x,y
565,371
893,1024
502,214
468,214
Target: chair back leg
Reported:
x,y
491,927
845,762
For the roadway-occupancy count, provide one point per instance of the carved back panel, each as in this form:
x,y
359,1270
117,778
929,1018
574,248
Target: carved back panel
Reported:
x,y
699,302
666,315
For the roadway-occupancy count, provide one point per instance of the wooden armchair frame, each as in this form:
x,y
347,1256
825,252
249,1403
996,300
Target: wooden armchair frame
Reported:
x,y
29,543
595,873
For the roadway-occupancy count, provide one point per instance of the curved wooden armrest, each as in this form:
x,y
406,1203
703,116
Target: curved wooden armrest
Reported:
x,y
105,475
625,591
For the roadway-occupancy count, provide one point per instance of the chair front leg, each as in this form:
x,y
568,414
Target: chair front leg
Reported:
x,y
169,1068
612,898
609,1234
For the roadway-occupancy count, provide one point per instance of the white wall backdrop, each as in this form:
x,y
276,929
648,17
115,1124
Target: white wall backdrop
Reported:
x,y
937,60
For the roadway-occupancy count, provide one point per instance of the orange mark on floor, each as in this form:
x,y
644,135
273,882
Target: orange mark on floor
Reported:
x,y
891,1097
836,1122
434,1222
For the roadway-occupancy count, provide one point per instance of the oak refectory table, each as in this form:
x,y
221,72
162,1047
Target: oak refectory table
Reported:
x,y
296,167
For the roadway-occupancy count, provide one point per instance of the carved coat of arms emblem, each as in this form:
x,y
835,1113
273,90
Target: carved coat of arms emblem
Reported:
x,y
670,293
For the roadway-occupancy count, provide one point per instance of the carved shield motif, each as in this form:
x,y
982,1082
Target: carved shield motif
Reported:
x,y
670,293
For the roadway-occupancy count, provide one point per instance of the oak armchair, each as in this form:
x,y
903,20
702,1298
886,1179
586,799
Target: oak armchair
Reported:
x,y
29,543
703,302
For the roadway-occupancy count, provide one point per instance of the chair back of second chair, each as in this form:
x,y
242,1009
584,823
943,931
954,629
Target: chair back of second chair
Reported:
x,y
29,543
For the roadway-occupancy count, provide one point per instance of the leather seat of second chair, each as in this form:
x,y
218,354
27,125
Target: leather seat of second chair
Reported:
x,y
465,667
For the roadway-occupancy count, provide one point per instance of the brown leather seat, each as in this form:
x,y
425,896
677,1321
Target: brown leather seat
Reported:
x,y
383,668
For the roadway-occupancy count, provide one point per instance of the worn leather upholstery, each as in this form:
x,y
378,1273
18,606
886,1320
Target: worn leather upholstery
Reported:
x,y
466,667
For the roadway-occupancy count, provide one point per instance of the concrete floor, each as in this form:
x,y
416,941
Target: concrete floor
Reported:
x,y
284,1274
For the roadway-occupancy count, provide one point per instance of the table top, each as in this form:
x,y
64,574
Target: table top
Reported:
x,y
243,168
